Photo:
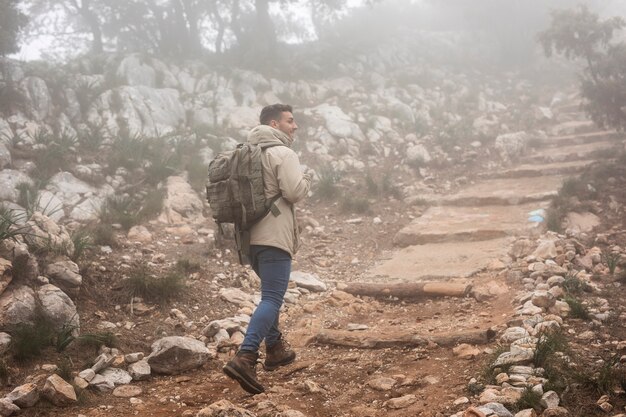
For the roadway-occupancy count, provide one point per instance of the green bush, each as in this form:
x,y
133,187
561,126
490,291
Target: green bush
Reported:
x,y
548,344
142,283
327,185
577,309
29,340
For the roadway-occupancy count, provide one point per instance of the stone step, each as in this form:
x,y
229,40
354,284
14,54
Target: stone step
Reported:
x,y
441,261
572,152
537,170
502,191
577,139
457,224
573,126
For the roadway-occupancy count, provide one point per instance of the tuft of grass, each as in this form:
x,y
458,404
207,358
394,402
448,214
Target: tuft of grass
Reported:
x,y
29,340
577,309
197,172
104,235
82,241
187,266
355,204
152,204
327,185
4,372
488,373
155,288
119,210
65,337
574,285
64,368
96,340
529,399
548,344
611,260
10,222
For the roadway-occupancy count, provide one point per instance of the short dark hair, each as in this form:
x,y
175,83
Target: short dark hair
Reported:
x,y
273,112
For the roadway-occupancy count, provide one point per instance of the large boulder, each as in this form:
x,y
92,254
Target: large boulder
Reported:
x,y
38,96
337,122
181,204
176,354
140,109
65,272
58,308
17,306
511,146
58,391
9,180
25,395
43,232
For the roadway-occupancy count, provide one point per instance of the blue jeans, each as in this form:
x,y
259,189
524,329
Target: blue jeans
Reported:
x,y
273,266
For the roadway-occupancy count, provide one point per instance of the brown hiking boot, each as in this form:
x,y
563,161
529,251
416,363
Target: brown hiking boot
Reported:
x,y
242,368
279,354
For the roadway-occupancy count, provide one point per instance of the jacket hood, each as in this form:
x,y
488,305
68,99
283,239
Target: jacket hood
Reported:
x,y
264,134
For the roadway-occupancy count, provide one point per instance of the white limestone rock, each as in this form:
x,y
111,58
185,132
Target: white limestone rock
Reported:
x,y
17,306
24,396
65,272
59,392
58,308
307,280
177,354
224,408
140,370
181,203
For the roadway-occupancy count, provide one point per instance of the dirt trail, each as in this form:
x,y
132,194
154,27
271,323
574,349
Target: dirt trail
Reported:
x,y
337,381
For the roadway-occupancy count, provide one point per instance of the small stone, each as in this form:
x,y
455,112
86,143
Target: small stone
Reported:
x,y
7,408
87,374
381,383
401,402
550,400
140,371
356,326
24,396
473,412
127,391
465,351
461,401
59,392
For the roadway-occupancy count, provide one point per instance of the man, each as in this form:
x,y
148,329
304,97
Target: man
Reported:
x,y
273,242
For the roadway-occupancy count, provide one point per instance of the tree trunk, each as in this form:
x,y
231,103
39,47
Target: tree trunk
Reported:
x,y
94,25
407,290
365,340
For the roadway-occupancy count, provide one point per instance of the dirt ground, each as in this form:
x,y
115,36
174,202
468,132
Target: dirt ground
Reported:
x,y
324,381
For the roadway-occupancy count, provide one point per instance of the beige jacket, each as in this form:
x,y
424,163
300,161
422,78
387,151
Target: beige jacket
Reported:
x,y
282,175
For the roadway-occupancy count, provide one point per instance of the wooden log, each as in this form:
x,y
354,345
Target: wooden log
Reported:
x,y
365,340
408,289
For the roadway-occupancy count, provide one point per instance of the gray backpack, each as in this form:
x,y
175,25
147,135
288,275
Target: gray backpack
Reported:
x,y
235,190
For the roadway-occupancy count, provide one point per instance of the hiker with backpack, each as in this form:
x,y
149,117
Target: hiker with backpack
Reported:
x,y
269,243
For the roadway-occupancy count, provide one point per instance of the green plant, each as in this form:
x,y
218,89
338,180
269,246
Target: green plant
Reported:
x,y
10,224
64,368
152,204
610,375
187,266
28,340
82,241
142,283
92,138
128,151
574,285
577,309
611,260
104,235
65,336
489,372
529,399
554,218
548,344
327,185
355,204
119,210
97,340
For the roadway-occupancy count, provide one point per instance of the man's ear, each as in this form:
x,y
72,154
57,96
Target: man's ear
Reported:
x,y
274,124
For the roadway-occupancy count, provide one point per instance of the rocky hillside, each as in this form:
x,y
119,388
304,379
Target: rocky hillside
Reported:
x,y
112,271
